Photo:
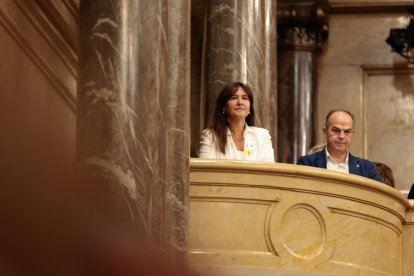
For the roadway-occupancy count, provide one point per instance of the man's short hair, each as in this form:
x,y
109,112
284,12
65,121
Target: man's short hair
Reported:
x,y
329,115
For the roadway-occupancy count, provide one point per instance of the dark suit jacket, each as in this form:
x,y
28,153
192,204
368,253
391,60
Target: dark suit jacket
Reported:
x,y
358,166
411,193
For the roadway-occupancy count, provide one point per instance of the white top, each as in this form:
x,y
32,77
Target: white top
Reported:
x,y
257,146
331,164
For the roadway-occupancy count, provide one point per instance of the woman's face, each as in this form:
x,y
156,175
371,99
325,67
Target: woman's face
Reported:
x,y
238,105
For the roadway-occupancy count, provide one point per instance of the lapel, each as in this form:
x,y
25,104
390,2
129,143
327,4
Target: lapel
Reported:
x,y
321,159
354,165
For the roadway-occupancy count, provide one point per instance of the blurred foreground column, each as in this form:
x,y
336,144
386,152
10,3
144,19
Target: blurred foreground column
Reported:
x,y
133,114
302,29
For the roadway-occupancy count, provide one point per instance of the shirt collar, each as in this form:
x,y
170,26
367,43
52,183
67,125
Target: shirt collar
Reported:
x,y
246,129
333,160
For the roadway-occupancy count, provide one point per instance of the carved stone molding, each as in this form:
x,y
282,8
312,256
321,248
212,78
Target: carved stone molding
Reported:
x,y
302,24
300,38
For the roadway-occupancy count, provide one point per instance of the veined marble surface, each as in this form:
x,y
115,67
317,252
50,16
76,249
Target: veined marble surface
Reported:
x,y
295,218
133,118
241,46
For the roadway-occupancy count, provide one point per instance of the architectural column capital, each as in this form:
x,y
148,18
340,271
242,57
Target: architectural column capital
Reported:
x,y
302,24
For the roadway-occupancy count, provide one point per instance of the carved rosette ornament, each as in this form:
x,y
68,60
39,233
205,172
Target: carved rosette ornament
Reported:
x,y
302,25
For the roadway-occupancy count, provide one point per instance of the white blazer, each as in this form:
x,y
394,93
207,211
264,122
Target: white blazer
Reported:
x,y
257,146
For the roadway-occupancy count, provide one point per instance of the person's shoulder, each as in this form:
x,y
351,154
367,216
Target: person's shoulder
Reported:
x,y
411,193
306,160
314,155
311,159
362,160
208,132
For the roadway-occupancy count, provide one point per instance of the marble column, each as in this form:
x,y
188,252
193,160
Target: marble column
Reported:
x,y
302,29
241,46
133,113
178,146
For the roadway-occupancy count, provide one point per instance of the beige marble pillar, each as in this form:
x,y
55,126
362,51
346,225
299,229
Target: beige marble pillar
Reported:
x,y
178,150
302,28
241,46
133,112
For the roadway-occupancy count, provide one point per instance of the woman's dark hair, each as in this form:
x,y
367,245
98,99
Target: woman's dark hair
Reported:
x,y
385,173
219,121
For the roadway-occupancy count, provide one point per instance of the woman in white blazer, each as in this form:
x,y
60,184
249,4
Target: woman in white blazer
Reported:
x,y
232,134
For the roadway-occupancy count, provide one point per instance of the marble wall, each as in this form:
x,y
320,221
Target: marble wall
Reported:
x,y
359,72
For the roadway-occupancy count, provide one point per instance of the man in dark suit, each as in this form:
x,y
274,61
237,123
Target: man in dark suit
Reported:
x,y
338,131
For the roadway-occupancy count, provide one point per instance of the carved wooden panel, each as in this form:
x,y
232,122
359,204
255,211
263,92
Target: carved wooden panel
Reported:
x,y
38,75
